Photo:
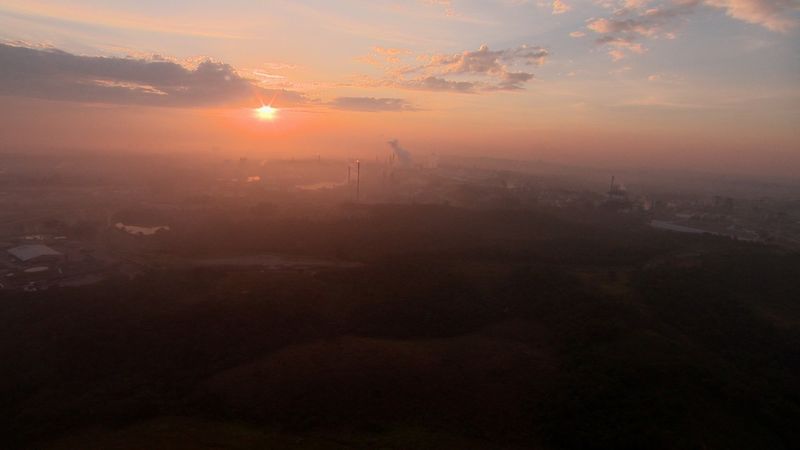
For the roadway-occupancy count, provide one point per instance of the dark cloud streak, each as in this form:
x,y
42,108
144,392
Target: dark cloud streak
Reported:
x,y
371,104
57,75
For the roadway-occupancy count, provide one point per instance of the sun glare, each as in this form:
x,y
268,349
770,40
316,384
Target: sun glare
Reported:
x,y
266,112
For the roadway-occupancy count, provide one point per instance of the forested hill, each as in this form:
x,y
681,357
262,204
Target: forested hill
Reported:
x,y
461,329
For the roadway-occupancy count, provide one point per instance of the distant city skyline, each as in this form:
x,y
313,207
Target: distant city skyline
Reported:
x,y
700,84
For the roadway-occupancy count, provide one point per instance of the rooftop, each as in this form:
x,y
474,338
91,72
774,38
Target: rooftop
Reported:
x,y
26,253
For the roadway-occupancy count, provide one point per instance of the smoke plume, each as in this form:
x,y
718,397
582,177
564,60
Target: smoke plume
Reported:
x,y
403,155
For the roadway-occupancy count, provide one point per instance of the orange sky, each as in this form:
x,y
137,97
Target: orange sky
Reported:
x,y
709,84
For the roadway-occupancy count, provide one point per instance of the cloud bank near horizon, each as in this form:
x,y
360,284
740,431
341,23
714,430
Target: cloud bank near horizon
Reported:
x,y
53,74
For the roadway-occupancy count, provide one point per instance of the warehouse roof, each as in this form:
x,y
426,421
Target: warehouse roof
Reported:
x,y
29,252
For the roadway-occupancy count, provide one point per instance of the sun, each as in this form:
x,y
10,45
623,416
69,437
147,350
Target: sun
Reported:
x,y
266,112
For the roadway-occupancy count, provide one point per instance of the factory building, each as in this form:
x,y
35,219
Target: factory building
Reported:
x,y
35,253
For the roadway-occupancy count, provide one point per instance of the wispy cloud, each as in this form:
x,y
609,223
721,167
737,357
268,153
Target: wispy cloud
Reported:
x,y
432,83
469,71
32,9
382,56
371,104
623,32
634,21
560,7
772,14
341,23
446,5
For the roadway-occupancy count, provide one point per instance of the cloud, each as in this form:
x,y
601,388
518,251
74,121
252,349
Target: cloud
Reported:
x,y
466,72
772,14
618,44
529,55
560,7
390,51
481,70
97,16
438,84
57,75
665,78
622,32
384,56
648,23
371,104
511,81
634,4
635,20
492,67
449,11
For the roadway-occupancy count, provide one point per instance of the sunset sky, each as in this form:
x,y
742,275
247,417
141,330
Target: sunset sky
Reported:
x,y
706,84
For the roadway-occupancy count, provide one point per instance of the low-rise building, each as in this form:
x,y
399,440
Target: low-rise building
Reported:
x,y
35,253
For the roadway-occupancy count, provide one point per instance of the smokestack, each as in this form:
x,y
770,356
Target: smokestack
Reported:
x,y
358,180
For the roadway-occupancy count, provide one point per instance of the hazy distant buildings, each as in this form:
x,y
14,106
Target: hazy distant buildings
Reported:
x,y
618,197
